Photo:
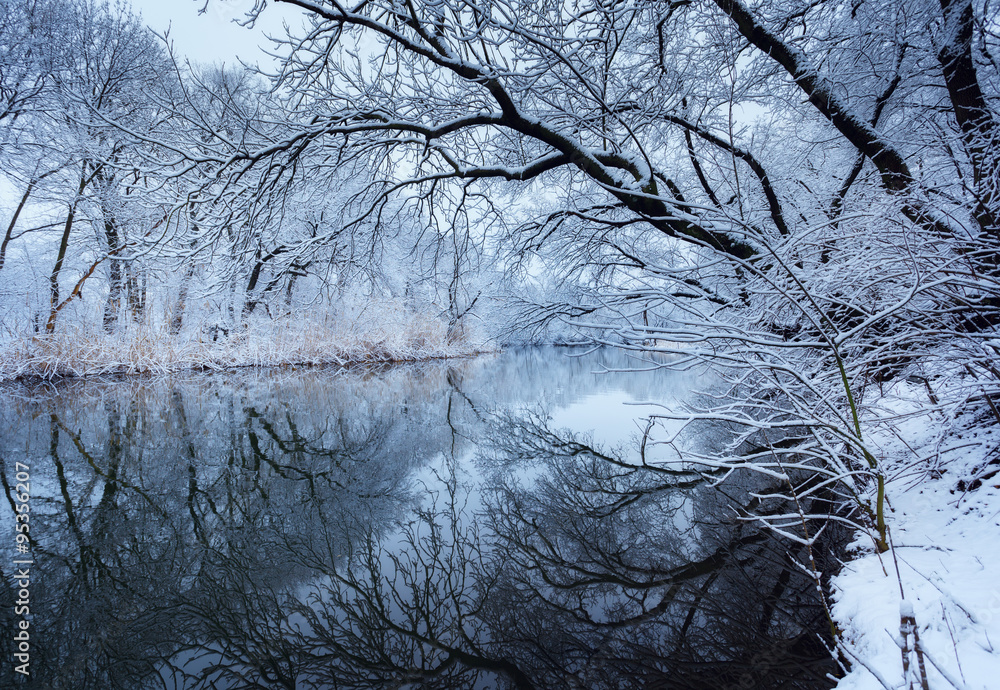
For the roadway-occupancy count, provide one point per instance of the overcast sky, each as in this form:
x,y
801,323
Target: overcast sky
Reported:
x,y
213,36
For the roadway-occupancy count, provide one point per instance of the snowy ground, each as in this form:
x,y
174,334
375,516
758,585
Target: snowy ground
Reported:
x,y
946,562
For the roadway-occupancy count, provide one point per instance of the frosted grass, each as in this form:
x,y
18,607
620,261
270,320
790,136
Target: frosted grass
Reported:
x,y
383,333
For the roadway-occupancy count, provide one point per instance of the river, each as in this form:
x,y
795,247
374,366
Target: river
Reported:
x,y
478,523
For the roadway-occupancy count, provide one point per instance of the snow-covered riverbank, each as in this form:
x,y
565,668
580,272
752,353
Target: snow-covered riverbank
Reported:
x,y
944,491
387,337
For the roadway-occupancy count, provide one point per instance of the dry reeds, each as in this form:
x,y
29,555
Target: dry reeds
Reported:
x,y
381,333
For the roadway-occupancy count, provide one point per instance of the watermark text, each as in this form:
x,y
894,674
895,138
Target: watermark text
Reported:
x,y
22,569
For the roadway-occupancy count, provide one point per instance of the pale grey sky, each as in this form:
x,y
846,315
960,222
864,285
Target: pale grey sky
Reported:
x,y
213,36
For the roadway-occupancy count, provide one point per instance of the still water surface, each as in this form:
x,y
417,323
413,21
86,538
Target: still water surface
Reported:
x,y
483,523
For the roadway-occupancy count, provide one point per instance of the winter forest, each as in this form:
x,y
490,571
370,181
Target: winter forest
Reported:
x,y
777,225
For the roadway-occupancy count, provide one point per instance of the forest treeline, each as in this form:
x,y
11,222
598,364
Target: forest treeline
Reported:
x,y
128,246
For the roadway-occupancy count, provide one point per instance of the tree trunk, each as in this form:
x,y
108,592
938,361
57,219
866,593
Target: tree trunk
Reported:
x,y
251,300
980,131
50,325
177,318
136,292
113,304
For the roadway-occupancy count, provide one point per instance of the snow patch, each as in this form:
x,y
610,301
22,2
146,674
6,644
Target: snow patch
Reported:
x,y
943,572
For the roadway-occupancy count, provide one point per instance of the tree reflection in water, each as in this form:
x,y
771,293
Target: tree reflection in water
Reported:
x,y
332,529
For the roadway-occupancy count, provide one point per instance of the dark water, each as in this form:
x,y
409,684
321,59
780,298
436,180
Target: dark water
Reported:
x,y
474,524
